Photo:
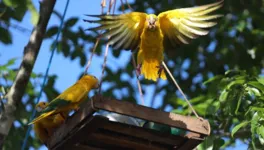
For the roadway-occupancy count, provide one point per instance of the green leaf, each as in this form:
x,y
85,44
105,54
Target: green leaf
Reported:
x,y
260,98
19,13
253,91
11,3
260,131
257,108
239,97
71,22
51,31
5,37
2,11
236,82
207,144
8,64
257,85
11,61
261,80
237,127
241,25
223,96
218,143
231,73
253,129
34,13
215,78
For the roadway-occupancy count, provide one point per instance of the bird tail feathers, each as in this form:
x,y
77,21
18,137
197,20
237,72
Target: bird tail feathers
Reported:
x,y
150,69
42,116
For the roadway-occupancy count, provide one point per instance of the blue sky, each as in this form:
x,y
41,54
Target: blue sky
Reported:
x,y
67,70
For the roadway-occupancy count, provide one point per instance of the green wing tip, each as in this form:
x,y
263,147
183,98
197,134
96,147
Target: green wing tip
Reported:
x,y
30,123
92,15
85,20
48,109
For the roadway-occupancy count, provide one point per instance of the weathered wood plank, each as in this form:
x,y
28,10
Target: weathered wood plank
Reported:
x,y
190,144
144,133
87,128
146,113
87,147
85,131
124,142
84,112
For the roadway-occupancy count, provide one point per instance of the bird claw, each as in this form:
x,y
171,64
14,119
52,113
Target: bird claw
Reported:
x,y
138,69
160,69
76,109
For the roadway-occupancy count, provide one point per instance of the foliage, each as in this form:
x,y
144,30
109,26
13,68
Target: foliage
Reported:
x,y
7,76
239,100
14,10
231,99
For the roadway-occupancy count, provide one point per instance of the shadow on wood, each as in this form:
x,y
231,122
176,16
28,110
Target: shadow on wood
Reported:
x,y
84,131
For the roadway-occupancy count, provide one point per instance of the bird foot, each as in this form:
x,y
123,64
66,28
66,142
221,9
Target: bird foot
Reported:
x,y
160,69
76,109
138,69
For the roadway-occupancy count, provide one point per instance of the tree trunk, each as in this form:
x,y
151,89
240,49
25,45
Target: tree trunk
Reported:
x,y
31,51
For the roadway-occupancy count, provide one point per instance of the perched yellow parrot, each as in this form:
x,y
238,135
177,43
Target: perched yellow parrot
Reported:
x,y
45,128
70,98
152,34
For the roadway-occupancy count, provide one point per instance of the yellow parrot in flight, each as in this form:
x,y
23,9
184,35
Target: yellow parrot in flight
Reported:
x,y
152,34
70,99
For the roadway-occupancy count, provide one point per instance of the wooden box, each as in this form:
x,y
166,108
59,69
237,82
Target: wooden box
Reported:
x,y
84,131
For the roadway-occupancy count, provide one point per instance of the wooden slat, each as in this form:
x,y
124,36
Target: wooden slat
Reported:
x,y
85,111
89,127
146,113
147,134
124,142
87,147
190,144
85,131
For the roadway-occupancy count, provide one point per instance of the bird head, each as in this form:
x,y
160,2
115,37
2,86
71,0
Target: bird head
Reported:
x,y
91,80
40,106
152,21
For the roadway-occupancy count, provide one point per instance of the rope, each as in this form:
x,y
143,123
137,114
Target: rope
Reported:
x,y
46,75
112,2
138,82
103,4
91,57
179,88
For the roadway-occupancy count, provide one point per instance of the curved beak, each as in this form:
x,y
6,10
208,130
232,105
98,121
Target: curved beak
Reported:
x,y
97,86
39,109
151,22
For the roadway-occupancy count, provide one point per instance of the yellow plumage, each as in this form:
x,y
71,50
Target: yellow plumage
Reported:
x,y
70,99
45,127
150,54
151,34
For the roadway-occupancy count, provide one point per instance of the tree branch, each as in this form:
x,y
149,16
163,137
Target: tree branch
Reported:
x,y
31,51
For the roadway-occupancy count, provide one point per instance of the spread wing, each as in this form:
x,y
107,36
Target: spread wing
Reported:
x,y
180,26
124,30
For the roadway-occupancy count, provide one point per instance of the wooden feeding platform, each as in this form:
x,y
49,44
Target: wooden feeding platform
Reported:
x,y
86,131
